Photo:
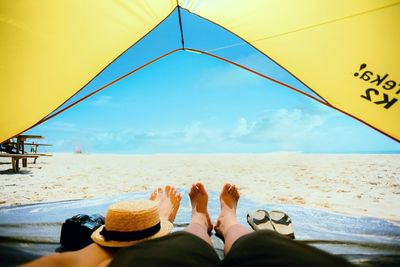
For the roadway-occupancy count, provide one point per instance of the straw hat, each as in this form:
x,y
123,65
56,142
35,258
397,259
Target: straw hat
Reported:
x,y
131,222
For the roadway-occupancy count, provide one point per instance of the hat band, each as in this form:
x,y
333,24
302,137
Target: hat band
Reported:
x,y
129,236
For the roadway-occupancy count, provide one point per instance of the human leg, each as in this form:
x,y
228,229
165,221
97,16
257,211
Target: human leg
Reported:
x,y
244,247
200,224
180,248
91,255
191,247
227,224
268,248
168,202
96,255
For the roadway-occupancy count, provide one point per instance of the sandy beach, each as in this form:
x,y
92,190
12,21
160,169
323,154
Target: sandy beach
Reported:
x,y
356,184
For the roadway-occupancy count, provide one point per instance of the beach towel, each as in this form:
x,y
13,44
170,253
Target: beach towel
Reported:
x,y
30,231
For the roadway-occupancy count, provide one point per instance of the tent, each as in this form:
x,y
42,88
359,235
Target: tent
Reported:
x,y
345,52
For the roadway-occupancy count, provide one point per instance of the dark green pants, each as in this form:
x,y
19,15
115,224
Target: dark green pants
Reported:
x,y
261,248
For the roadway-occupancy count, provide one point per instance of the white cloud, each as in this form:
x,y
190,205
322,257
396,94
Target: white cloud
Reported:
x,y
285,127
281,129
104,136
197,133
242,129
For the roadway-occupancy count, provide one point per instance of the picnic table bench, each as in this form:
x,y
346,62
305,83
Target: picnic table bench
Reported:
x,y
16,157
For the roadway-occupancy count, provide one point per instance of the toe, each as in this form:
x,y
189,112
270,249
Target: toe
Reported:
x,y
237,194
178,195
236,191
226,188
173,191
167,190
232,190
192,191
201,187
195,188
153,195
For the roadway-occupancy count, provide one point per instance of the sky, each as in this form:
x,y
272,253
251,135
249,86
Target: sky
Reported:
x,y
192,103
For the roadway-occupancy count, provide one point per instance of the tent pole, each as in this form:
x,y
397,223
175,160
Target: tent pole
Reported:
x,y
180,24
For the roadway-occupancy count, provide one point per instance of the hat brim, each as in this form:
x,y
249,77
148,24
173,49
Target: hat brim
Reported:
x,y
166,228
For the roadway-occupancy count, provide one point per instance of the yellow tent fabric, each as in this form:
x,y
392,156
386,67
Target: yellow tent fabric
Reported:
x,y
325,44
345,51
50,49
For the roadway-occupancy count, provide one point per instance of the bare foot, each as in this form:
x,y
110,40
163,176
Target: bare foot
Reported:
x,y
199,200
229,198
169,201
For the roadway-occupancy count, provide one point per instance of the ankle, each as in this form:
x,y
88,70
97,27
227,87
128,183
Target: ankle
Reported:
x,y
200,224
199,218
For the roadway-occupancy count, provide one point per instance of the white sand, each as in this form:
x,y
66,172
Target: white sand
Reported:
x,y
346,183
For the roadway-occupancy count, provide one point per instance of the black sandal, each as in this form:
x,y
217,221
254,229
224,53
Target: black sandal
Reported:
x,y
282,223
260,220
277,221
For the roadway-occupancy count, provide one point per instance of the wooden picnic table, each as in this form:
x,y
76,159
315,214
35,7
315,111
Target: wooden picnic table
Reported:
x,y
21,145
19,153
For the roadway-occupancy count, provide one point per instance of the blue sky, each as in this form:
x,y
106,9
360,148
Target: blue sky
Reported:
x,y
191,103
